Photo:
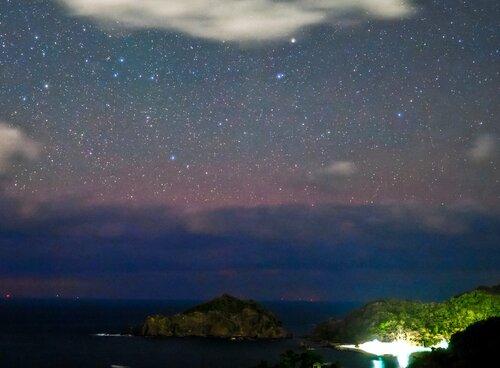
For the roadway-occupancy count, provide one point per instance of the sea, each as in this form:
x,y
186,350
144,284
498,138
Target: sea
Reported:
x,y
83,333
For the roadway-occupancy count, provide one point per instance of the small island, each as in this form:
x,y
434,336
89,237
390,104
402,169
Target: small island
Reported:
x,y
222,317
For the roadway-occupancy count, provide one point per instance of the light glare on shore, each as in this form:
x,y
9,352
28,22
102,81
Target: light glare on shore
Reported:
x,y
401,349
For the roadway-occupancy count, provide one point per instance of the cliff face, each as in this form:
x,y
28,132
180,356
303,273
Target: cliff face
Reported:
x,y
422,323
225,317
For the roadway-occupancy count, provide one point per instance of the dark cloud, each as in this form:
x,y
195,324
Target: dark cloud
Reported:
x,y
240,248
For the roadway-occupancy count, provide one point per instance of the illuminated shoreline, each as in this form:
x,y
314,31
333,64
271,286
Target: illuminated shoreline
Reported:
x,y
401,349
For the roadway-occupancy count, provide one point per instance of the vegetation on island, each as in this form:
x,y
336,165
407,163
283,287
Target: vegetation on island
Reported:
x,y
476,346
421,323
225,317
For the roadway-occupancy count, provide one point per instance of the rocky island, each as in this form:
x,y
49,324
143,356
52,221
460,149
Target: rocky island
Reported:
x,y
223,317
418,323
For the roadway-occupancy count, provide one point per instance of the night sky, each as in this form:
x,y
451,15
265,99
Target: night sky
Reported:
x,y
313,149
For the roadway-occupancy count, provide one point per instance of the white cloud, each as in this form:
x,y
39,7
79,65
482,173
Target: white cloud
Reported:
x,y
484,148
233,20
14,144
336,177
340,169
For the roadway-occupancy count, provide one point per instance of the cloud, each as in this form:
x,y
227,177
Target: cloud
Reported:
x,y
161,252
340,169
454,220
335,223
484,148
234,20
15,145
337,177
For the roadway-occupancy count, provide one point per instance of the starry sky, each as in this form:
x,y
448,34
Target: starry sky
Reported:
x,y
296,150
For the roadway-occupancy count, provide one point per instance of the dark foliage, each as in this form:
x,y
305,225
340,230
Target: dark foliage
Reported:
x,y
477,346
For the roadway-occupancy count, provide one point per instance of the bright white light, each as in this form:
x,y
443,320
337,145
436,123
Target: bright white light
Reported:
x,y
443,344
401,349
403,359
379,363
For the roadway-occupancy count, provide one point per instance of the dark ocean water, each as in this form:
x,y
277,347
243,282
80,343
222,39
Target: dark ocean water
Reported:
x,y
62,333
